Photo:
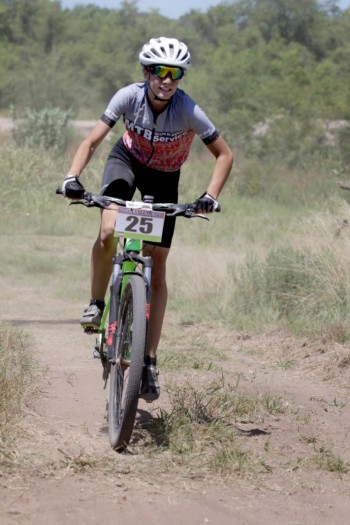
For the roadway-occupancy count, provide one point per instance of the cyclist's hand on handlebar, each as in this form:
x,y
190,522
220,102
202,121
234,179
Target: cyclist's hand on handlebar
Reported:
x,y
205,204
72,188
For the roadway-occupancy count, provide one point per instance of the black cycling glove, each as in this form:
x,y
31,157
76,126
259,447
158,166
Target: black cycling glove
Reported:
x,y
205,203
72,188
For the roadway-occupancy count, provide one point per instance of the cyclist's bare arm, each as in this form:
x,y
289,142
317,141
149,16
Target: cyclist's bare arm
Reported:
x,y
223,166
87,147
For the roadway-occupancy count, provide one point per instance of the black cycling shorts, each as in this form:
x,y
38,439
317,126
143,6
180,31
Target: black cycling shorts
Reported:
x,y
123,174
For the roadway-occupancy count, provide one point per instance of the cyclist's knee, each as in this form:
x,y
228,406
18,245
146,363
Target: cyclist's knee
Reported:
x,y
106,240
106,235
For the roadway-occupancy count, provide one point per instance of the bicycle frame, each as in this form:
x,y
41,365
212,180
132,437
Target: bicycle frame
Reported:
x,y
122,339
124,265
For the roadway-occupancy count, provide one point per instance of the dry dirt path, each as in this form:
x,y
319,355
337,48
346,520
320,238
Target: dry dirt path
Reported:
x,y
84,126
66,427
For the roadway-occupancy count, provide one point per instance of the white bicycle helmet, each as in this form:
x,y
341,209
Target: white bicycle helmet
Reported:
x,y
167,51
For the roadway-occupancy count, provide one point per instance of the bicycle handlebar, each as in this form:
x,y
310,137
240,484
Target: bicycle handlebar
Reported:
x,y
91,200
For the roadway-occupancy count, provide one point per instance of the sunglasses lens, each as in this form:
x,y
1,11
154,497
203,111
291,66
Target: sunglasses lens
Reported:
x,y
177,73
162,71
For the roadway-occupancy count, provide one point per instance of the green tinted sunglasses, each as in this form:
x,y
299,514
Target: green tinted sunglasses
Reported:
x,y
163,71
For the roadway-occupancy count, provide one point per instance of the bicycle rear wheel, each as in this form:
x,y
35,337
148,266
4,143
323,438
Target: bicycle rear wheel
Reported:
x,y
126,374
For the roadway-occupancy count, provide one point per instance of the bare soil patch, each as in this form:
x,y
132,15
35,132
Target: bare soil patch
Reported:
x,y
64,472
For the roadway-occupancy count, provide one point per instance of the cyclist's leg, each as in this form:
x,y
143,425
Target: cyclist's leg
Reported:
x,y
164,188
159,296
101,267
118,181
102,255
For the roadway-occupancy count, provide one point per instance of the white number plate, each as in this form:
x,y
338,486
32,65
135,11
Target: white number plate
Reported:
x,y
136,223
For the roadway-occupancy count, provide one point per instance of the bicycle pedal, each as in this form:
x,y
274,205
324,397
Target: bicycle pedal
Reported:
x,y
90,330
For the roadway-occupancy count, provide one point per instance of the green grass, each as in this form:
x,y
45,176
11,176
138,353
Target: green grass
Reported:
x,y
191,347
266,259
29,178
326,459
303,286
199,435
263,261
41,259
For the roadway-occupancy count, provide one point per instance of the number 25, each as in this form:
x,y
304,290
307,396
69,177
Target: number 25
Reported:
x,y
145,226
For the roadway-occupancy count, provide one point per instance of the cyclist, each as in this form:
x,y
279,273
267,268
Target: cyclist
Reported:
x,y
161,122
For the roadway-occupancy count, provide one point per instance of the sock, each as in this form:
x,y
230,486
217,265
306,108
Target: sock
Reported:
x,y
150,360
100,304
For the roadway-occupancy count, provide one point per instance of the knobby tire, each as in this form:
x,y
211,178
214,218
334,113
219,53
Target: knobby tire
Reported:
x,y
125,380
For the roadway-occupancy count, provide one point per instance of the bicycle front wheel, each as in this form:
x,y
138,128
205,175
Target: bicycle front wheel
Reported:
x,y
126,373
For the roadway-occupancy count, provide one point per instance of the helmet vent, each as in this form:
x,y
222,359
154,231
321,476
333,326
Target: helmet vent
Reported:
x,y
169,51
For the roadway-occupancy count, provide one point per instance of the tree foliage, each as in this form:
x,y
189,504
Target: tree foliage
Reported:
x,y
253,59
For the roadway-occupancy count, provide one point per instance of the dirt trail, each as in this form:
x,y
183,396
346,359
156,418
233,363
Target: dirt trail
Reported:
x,y
84,126
67,425
68,420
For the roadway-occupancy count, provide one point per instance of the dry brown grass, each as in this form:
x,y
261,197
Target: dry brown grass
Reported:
x,y
18,380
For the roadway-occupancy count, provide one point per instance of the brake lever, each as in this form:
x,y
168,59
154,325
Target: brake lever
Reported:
x,y
83,203
193,215
91,204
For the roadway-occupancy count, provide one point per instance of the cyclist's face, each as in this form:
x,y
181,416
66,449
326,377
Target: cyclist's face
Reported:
x,y
162,88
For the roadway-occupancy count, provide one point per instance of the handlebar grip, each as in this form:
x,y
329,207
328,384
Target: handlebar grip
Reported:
x,y
59,191
218,208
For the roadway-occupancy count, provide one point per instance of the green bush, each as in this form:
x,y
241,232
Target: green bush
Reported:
x,y
344,139
294,142
271,289
46,128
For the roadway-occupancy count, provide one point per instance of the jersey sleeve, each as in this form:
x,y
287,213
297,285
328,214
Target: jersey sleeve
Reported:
x,y
202,125
116,107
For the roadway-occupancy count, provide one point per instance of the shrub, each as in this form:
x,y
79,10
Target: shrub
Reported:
x,y
306,288
296,143
344,137
46,128
270,290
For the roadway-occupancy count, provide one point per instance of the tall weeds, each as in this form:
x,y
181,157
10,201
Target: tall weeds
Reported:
x,y
264,259
200,428
304,285
18,379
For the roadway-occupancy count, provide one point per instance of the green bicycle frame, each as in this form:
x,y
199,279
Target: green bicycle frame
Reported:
x,y
129,266
131,245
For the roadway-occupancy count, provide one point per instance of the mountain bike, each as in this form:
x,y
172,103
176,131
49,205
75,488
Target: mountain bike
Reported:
x,y
121,341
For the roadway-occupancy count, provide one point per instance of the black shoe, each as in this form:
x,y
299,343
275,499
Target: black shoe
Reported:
x,y
150,390
92,317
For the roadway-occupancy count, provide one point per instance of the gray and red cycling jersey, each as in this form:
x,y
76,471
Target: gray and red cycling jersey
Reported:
x,y
164,143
